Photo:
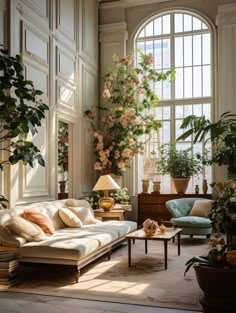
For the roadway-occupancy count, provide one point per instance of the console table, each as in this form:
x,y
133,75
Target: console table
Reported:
x,y
153,205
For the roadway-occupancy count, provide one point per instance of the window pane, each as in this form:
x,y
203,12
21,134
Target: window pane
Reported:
x,y
141,46
179,83
204,26
157,54
179,111
207,110
188,110
188,82
187,50
157,26
197,81
178,131
197,50
166,113
206,81
197,109
187,22
149,47
178,23
166,132
179,52
166,53
158,89
141,33
149,29
166,90
196,23
206,49
166,24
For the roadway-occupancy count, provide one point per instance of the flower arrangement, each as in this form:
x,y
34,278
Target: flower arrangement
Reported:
x,y
150,227
222,251
120,196
126,118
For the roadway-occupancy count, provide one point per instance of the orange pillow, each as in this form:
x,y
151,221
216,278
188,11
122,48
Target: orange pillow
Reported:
x,y
40,219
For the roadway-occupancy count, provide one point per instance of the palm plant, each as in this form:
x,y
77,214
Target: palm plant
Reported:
x,y
221,134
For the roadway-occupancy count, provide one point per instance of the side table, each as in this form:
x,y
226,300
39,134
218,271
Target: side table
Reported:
x,y
110,215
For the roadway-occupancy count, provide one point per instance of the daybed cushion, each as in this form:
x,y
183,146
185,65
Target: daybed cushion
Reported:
x,y
201,208
25,229
69,218
8,238
191,221
76,243
85,215
40,219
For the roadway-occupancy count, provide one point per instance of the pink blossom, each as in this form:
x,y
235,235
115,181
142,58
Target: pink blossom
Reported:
x,y
116,155
106,93
97,166
142,91
148,59
99,146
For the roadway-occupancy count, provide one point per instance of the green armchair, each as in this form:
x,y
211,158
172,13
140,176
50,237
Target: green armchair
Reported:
x,y
183,216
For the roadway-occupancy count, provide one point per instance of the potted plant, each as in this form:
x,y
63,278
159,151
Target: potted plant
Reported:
x,y
181,165
216,270
221,134
62,154
126,118
21,112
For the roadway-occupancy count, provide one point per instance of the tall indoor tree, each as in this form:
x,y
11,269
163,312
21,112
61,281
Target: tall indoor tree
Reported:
x,y
21,113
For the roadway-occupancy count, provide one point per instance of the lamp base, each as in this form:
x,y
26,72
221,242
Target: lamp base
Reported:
x,y
106,203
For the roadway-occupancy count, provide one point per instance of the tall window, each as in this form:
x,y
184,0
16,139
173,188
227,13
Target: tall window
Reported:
x,y
180,41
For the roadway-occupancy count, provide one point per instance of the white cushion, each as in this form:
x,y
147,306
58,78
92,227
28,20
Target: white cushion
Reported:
x,y
85,215
69,218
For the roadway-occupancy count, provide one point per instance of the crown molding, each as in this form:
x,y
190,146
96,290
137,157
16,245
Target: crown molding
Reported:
x,y
227,8
129,3
113,27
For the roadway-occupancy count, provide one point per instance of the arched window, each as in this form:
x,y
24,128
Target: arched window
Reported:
x,y
182,41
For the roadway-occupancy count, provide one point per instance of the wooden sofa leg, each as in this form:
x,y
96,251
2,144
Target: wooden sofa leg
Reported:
x,y
77,274
109,255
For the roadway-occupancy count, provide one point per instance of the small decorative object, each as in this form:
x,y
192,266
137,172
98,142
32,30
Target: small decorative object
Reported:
x,y
145,185
162,228
204,186
106,183
196,189
150,227
62,186
156,187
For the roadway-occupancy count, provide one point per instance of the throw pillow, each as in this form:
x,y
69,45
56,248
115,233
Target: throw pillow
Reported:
x,y
85,215
79,203
25,229
8,238
40,219
69,218
201,208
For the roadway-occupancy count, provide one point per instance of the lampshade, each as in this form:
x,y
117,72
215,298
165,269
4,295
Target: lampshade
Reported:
x,y
106,182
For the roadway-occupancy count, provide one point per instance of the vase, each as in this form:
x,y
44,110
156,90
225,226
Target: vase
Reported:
x,y
145,185
218,289
204,186
62,186
156,187
181,184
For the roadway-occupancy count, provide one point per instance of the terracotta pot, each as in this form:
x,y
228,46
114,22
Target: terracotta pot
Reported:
x,y
219,289
181,184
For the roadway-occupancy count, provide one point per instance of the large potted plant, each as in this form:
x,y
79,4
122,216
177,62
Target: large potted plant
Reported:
x,y
180,164
21,112
216,270
221,134
126,118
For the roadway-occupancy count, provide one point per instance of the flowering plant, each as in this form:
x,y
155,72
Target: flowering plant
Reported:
x,y
150,226
130,96
120,196
222,252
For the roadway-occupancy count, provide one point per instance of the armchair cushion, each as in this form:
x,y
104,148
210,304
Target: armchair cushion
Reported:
x,y
201,208
191,221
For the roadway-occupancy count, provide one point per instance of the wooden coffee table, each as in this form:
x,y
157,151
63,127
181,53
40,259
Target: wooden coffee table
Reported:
x,y
166,236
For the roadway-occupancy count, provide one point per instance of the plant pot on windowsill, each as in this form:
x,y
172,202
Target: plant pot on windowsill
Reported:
x,y
181,184
62,186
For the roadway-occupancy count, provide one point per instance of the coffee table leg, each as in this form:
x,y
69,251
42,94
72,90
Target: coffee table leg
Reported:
x,y
129,252
178,236
165,253
146,247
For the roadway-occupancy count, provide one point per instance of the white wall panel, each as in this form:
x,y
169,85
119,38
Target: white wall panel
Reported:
x,y
39,77
65,19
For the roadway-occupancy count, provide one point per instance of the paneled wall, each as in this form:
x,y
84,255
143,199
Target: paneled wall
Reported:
x,y
57,40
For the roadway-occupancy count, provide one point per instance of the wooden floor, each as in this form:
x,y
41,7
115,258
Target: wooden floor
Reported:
x,y
11,302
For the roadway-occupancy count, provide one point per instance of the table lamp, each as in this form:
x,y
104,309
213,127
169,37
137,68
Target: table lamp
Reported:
x,y
106,183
